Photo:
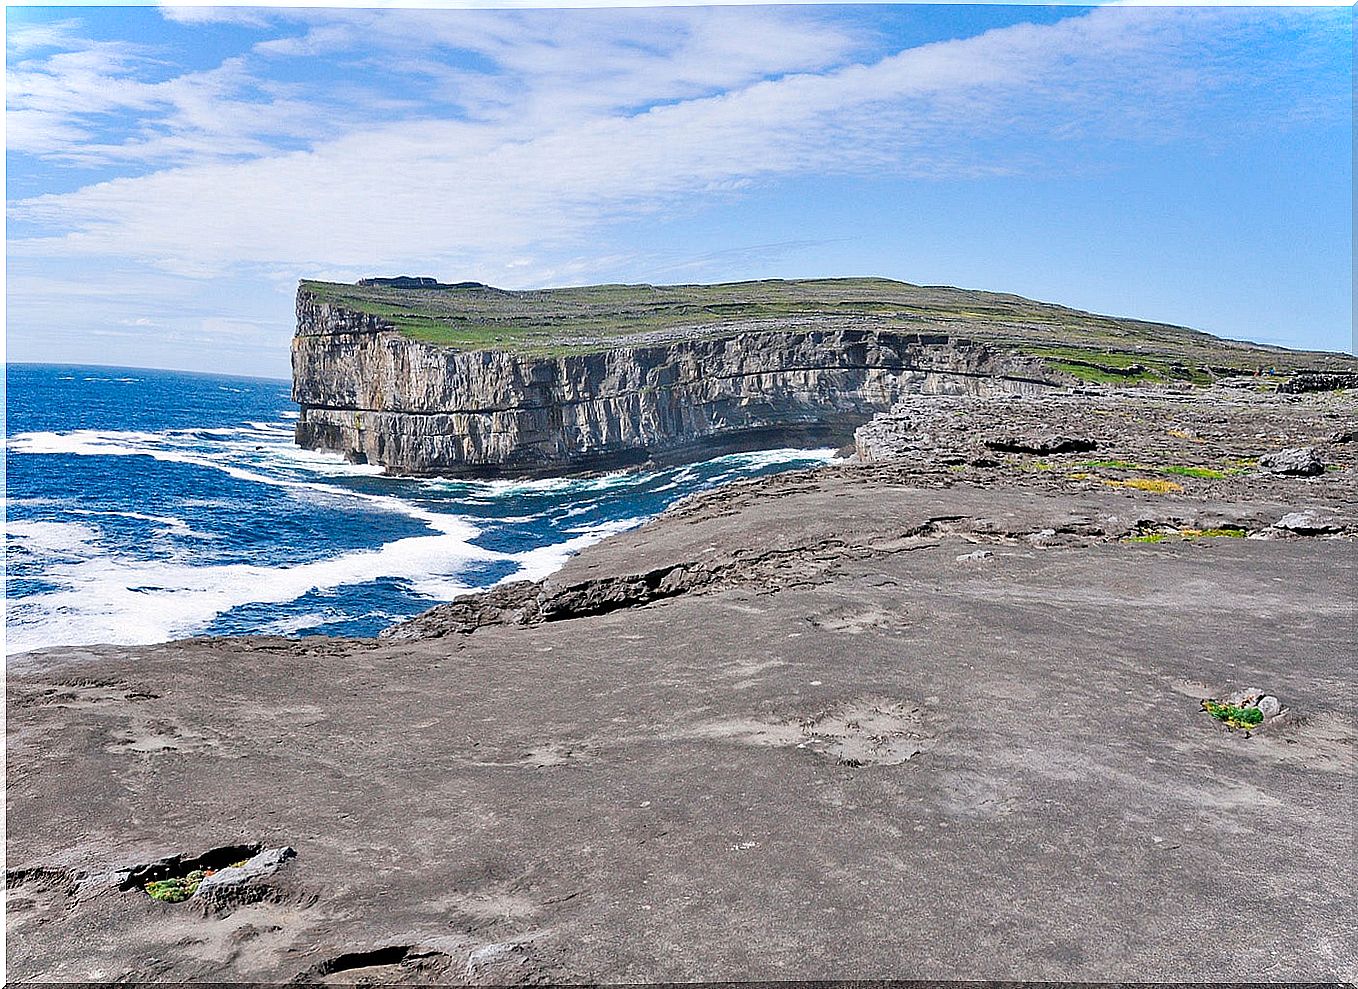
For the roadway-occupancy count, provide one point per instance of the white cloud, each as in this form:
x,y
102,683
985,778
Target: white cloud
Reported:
x,y
580,119
559,146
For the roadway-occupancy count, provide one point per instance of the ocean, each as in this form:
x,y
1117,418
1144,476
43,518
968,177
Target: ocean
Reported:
x,y
143,506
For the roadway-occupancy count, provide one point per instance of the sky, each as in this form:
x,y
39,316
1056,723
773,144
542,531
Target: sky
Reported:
x,y
172,172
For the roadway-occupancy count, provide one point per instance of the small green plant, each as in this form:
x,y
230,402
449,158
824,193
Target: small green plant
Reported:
x,y
1231,716
177,889
1148,537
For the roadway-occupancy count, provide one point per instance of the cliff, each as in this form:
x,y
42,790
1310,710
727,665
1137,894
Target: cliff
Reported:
x,y
469,380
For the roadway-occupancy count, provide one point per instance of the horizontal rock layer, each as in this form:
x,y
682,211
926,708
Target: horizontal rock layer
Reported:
x,y
378,396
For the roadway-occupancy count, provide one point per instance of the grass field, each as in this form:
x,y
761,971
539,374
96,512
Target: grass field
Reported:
x,y
1084,345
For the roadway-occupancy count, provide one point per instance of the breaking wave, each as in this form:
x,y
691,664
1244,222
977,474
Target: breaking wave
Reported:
x,y
200,516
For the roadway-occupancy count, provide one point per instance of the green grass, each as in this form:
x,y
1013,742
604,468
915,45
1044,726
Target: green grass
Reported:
x,y
1112,367
1180,470
1203,472
1232,716
177,889
1159,537
1113,465
591,318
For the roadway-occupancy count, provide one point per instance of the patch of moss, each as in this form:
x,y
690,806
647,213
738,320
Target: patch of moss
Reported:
x,y
1151,484
1179,470
177,889
1159,537
1203,472
1232,716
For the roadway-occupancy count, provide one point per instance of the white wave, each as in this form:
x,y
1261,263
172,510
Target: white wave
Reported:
x,y
49,538
107,598
179,446
292,624
103,596
535,564
167,524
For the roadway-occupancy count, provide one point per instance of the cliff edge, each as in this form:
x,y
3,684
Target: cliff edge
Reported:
x,y
466,379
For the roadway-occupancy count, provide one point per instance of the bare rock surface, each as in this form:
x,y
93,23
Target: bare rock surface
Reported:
x,y
778,733
1302,461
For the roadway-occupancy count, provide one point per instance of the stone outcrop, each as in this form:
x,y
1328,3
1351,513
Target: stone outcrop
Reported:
x,y
378,396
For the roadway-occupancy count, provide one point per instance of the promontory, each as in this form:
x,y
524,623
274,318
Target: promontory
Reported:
x,y
465,379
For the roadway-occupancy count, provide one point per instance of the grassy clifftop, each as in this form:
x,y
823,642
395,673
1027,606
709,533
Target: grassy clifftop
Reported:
x,y
594,317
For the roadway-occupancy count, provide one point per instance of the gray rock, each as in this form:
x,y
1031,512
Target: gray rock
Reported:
x,y
1297,461
1041,537
975,556
266,863
489,956
1244,698
1269,706
1306,523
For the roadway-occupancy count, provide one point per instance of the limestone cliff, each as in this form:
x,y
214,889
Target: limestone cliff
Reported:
x,y
378,395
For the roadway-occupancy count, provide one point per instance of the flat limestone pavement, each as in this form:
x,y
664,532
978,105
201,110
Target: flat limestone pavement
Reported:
x,y
911,722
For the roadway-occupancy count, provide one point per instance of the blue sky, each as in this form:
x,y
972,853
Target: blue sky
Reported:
x,y
172,172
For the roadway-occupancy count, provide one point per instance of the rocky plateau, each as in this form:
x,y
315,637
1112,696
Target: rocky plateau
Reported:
x,y
933,711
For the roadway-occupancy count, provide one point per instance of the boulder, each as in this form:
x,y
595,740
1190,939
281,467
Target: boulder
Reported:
x,y
225,885
1297,461
1307,523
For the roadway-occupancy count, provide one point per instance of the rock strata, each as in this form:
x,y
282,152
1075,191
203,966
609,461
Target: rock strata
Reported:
x,y
378,396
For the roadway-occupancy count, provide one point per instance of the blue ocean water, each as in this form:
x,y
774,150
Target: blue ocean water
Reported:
x,y
150,505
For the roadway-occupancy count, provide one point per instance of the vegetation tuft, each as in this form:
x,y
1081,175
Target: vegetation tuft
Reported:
x,y
1154,485
1179,470
177,889
1232,716
1159,537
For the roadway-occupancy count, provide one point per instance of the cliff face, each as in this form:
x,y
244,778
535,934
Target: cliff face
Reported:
x,y
378,396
